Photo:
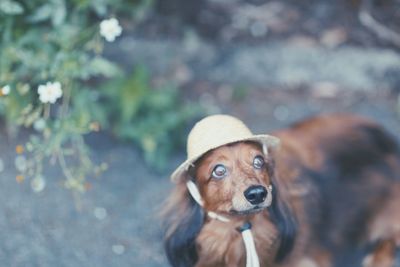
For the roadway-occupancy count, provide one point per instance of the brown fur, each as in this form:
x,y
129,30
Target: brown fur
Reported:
x,y
338,177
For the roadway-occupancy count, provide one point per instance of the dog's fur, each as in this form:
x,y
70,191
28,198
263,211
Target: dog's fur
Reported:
x,y
336,200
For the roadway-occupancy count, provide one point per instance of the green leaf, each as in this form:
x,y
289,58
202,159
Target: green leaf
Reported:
x,y
100,7
133,92
41,14
11,7
102,66
59,13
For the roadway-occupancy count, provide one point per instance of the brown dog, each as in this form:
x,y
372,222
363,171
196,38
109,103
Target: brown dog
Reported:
x,y
335,199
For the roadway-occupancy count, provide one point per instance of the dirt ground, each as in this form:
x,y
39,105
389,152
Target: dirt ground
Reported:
x,y
258,21
115,223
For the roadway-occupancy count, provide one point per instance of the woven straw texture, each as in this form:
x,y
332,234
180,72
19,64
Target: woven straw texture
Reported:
x,y
215,131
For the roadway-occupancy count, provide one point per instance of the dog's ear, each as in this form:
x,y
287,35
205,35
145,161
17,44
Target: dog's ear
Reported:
x,y
285,222
184,219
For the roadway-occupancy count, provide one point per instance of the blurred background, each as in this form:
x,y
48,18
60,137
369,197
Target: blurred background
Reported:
x,y
97,97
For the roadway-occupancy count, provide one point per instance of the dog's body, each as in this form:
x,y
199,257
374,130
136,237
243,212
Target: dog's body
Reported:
x,y
336,190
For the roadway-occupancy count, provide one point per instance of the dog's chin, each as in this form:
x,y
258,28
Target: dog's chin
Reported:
x,y
253,210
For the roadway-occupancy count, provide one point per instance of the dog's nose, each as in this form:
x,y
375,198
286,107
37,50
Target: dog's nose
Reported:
x,y
255,194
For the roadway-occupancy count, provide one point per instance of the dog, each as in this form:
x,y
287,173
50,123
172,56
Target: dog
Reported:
x,y
335,198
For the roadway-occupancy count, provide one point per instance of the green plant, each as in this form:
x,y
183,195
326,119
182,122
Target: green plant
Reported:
x,y
51,54
154,118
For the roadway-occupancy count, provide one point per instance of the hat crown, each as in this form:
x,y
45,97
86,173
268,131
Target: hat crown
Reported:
x,y
215,131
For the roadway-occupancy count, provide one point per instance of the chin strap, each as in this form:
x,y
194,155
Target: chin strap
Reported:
x,y
251,252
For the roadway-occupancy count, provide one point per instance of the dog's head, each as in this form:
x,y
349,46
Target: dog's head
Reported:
x,y
234,180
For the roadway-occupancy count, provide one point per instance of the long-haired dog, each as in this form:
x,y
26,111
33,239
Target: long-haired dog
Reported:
x,y
335,199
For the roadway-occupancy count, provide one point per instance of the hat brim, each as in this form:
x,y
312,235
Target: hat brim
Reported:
x,y
263,139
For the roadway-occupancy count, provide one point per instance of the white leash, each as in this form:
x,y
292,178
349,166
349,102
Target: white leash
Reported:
x,y
251,252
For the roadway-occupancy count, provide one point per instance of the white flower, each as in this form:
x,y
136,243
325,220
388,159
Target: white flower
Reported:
x,y
50,92
38,184
5,90
110,29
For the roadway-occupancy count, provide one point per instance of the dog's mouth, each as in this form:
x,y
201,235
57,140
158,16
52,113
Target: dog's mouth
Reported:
x,y
253,210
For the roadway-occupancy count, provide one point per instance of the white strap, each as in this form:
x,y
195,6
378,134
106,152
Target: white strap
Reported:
x,y
251,252
214,215
194,192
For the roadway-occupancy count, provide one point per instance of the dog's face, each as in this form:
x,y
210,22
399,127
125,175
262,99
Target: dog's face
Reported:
x,y
234,179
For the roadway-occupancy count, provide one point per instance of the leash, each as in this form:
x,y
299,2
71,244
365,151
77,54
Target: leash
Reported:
x,y
251,252
245,230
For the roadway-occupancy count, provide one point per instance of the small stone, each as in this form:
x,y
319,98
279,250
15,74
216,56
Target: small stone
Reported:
x,y
100,213
325,90
118,249
258,29
333,37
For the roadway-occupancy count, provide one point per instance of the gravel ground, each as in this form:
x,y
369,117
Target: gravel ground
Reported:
x,y
268,85
117,223
113,224
274,63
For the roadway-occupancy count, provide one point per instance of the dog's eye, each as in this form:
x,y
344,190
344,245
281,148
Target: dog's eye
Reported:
x,y
219,171
258,162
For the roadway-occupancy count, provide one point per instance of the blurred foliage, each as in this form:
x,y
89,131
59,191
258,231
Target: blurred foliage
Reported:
x,y
59,42
152,117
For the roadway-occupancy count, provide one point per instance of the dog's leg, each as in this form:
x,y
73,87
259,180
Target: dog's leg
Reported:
x,y
384,231
383,255
316,258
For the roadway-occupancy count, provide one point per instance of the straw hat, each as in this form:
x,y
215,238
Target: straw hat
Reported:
x,y
215,131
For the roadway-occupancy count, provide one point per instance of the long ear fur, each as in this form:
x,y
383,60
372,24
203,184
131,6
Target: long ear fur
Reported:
x,y
286,224
183,220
